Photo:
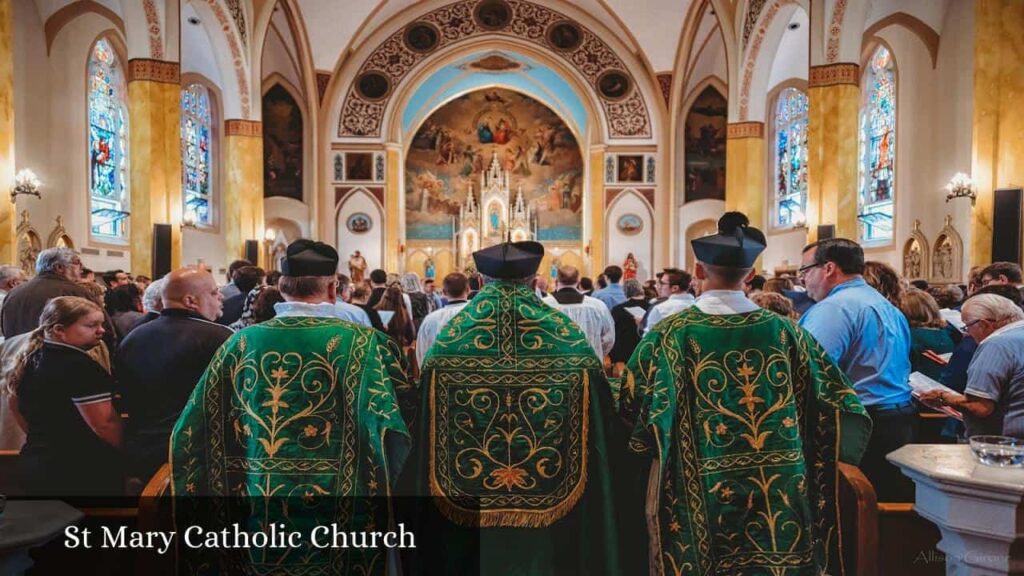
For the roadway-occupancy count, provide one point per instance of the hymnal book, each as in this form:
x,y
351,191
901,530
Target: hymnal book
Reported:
x,y
919,384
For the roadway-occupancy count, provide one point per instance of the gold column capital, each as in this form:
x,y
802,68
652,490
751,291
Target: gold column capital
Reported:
x,y
744,130
240,127
150,70
834,74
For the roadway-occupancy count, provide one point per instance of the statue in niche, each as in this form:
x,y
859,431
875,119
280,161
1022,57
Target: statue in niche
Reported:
x,y
430,270
29,245
944,258
912,261
357,267
629,267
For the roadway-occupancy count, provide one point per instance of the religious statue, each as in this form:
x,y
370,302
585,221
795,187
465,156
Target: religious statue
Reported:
x,y
912,262
356,267
944,259
629,267
430,270
555,264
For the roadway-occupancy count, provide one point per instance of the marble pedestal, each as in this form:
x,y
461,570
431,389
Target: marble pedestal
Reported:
x,y
979,509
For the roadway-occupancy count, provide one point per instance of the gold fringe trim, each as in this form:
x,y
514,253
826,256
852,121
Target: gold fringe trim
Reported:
x,y
509,517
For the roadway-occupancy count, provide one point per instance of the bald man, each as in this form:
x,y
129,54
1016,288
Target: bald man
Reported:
x,y
160,362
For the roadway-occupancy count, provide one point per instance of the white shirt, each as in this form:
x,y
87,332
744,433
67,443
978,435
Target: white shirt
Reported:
x,y
340,310
722,302
432,325
675,304
594,318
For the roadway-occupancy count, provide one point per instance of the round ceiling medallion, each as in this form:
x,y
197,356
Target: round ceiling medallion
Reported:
x,y
492,14
421,37
373,85
564,35
614,85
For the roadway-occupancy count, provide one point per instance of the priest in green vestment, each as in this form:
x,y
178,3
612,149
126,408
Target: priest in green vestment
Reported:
x,y
295,424
515,436
744,418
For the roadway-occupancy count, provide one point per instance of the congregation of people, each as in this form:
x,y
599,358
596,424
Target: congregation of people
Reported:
x,y
517,401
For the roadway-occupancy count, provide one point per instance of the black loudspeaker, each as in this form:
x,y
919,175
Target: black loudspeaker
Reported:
x,y
826,231
1006,225
252,251
161,250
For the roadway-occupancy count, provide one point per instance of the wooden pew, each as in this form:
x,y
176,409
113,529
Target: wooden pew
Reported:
x,y
859,523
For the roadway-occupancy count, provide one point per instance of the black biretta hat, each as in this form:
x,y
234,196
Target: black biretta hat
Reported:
x,y
509,260
737,244
309,258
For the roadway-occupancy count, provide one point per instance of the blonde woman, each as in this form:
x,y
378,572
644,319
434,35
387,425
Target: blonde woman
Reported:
x,y
63,400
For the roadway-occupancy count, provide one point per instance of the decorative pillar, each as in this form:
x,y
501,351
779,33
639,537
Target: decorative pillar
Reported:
x,y
744,171
8,210
154,112
597,236
393,259
243,187
998,116
832,148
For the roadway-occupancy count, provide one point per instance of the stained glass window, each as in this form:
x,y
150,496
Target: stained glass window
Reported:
x,y
108,144
196,154
878,150
790,158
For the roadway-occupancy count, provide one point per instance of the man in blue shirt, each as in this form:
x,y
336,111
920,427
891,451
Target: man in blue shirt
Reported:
x,y
869,339
613,294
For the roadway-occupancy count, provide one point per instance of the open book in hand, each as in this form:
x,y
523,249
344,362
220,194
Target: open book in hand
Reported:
x,y
919,384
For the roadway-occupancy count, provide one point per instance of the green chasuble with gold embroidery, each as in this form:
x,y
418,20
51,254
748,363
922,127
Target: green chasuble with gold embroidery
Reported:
x,y
746,418
514,443
295,424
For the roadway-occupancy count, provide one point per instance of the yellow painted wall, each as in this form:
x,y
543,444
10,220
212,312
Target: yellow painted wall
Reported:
x,y
744,178
832,159
154,111
243,194
8,211
392,193
998,151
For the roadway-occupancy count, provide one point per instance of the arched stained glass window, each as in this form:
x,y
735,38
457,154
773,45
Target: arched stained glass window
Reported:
x,y
197,154
878,150
108,144
790,158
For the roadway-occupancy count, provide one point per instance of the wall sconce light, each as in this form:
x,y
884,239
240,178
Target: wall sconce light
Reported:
x,y
25,182
270,235
960,186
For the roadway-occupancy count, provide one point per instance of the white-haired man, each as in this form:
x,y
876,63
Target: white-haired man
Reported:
x,y
10,278
58,271
993,402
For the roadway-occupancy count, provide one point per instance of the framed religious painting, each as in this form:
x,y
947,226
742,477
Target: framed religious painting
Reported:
x,y
359,166
629,224
359,223
630,168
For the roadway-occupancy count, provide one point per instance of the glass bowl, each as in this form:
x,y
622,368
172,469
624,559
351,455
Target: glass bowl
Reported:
x,y
1001,451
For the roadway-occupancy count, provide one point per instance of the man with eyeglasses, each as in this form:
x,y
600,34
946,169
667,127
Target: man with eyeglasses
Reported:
x,y
58,272
675,283
993,402
1008,273
869,339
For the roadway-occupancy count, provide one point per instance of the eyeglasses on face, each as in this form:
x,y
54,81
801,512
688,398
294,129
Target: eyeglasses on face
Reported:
x,y
968,325
803,270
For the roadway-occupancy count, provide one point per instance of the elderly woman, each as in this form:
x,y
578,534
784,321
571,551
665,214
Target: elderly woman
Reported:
x,y
993,402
